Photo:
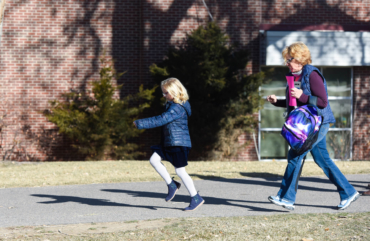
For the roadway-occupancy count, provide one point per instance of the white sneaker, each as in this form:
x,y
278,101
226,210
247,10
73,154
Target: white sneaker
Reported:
x,y
345,203
281,202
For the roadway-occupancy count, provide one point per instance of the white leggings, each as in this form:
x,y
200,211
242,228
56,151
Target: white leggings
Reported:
x,y
155,161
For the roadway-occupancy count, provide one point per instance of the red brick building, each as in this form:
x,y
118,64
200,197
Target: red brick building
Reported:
x,y
51,46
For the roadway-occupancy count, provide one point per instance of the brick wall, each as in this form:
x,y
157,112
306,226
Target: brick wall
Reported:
x,y
51,46
48,47
361,113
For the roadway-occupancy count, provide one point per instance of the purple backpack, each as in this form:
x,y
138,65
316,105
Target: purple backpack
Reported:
x,y
301,127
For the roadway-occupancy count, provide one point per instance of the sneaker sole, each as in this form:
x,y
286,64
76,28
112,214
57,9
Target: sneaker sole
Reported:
x,y
354,199
291,208
200,204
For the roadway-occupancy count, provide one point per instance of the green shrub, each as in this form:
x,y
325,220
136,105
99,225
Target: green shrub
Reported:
x,y
99,125
223,97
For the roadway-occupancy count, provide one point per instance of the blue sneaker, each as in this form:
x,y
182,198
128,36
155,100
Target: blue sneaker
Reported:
x,y
345,203
195,203
281,202
173,187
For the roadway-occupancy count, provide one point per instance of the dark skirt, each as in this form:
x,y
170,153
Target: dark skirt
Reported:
x,y
176,155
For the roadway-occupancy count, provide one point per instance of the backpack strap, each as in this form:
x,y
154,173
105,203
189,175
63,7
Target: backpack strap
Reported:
x,y
312,100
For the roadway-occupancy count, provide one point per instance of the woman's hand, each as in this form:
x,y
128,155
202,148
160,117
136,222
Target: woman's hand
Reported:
x,y
296,93
271,98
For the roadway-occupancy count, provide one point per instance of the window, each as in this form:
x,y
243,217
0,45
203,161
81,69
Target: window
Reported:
x,y
339,139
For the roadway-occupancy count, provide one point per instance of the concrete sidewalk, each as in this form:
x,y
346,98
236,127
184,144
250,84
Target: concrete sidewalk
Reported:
x,y
141,201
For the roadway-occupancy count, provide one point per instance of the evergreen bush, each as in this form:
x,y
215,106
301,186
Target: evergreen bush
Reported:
x,y
99,125
223,97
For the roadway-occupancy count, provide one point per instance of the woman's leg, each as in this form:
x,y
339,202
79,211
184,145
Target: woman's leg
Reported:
x,y
289,184
155,161
186,179
321,157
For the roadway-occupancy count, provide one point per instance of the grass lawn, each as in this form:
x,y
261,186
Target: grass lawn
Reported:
x,y
14,174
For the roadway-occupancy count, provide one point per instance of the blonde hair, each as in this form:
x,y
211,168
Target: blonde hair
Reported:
x,y
299,51
176,89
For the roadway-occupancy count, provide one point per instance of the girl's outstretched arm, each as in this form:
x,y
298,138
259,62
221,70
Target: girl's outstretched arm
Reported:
x,y
174,112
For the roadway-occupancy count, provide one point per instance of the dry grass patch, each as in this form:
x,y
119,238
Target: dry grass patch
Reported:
x,y
300,227
278,227
13,174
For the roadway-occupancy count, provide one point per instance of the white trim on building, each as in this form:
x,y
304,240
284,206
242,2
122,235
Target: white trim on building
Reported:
x,y
328,48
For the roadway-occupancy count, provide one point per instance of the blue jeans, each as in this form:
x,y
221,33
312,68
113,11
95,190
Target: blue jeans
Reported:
x,y
288,188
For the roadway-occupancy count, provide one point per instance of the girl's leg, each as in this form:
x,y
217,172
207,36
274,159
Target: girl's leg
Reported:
x,y
186,179
155,161
196,200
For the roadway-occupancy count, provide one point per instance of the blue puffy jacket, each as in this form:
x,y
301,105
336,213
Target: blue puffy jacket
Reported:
x,y
175,124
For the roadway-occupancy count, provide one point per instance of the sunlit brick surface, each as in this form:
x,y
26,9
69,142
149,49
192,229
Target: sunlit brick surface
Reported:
x,y
51,46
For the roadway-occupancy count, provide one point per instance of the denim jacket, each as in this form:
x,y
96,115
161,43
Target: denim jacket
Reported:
x,y
174,121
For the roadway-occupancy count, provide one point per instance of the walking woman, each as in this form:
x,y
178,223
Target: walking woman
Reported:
x,y
313,85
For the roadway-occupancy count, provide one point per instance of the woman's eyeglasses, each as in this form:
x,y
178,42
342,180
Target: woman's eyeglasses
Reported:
x,y
289,60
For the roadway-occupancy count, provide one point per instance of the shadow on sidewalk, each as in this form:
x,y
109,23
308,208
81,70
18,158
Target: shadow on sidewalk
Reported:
x,y
208,200
89,201
272,182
